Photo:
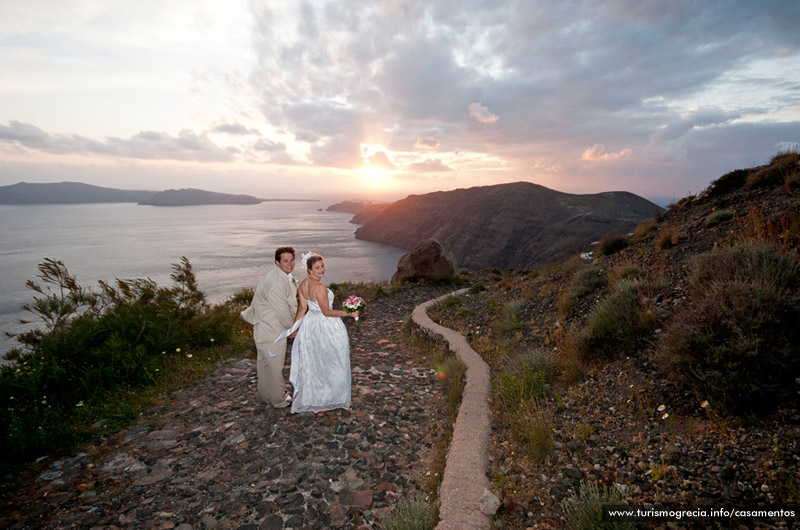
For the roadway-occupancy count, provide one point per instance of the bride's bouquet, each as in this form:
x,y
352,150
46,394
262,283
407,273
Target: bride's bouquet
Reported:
x,y
354,303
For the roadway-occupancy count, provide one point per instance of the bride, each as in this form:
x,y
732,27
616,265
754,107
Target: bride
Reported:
x,y
321,349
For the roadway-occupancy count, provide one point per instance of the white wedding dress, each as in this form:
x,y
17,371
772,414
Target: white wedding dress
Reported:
x,y
320,362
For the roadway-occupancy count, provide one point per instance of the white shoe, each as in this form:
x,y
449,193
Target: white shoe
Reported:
x,y
285,403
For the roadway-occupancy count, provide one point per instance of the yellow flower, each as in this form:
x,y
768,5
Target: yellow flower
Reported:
x,y
661,408
188,355
665,416
178,350
79,404
704,404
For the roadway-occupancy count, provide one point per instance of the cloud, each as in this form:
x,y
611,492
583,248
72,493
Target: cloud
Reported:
x,y
481,113
380,160
426,143
235,129
598,153
152,145
337,152
429,165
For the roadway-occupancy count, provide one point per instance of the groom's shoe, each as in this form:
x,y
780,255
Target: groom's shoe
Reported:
x,y
285,403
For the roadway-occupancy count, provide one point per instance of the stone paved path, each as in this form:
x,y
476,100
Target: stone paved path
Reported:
x,y
213,456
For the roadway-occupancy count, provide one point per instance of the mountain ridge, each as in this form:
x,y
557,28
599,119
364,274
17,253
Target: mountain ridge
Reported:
x,y
518,225
67,192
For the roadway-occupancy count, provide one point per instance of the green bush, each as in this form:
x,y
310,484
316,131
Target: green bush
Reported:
x,y
452,371
720,216
94,347
522,377
736,340
477,288
620,324
411,514
583,509
583,280
510,318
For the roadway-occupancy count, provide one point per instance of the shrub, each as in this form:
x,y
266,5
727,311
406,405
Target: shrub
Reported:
x,y
452,371
612,243
584,279
619,324
94,348
532,426
569,363
625,271
645,229
783,166
411,514
720,216
728,182
477,288
736,341
510,318
583,509
668,237
523,376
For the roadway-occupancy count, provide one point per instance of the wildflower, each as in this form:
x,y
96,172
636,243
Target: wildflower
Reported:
x,y
704,404
178,350
212,340
188,355
79,404
661,408
163,353
665,416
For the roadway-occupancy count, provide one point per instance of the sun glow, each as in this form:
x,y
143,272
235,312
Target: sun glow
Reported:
x,y
375,176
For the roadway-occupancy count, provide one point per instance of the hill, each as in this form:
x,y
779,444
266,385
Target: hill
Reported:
x,y
191,196
67,193
519,225
660,366
79,193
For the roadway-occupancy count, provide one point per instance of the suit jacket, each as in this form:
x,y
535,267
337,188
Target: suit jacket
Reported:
x,y
273,308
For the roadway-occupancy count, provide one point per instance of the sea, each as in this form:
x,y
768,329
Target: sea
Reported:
x,y
230,247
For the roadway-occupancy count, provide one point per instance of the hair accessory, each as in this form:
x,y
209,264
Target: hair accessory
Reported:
x,y
305,258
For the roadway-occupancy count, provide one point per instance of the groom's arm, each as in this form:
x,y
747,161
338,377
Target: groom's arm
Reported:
x,y
279,304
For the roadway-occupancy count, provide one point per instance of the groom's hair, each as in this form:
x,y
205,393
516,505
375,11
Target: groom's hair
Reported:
x,y
283,250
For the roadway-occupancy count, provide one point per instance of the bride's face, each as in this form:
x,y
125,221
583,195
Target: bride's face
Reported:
x,y
318,269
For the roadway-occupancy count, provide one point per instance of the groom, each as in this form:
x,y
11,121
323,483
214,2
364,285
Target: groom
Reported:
x,y
271,312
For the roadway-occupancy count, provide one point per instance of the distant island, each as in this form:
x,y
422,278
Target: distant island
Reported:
x,y
518,225
78,193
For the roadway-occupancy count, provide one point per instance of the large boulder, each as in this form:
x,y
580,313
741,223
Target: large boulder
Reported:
x,y
429,259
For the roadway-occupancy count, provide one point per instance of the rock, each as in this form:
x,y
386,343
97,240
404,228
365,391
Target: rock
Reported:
x,y
362,499
273,522
489,503
429,259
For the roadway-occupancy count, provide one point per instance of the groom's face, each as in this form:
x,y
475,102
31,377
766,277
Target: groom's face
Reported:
x,y
286,263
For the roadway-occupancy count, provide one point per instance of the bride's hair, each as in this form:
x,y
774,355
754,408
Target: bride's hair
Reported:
x,y
312,260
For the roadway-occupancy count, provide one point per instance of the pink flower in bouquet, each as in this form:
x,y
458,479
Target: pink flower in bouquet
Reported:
x,y
354,303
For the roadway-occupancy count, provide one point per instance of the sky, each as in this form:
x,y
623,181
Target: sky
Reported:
x,y
382,99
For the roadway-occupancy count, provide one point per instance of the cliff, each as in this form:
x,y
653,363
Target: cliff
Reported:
x,y
519,225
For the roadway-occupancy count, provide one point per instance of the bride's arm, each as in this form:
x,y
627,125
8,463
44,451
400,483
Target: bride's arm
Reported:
x,y
321,295
302,305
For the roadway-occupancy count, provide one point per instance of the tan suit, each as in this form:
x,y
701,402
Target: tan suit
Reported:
x,y
271,312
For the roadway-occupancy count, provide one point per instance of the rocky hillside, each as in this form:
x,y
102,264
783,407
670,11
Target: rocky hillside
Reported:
x,y
661,366
519,225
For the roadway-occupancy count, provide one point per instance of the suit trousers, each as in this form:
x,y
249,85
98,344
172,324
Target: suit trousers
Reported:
x,y
269,371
